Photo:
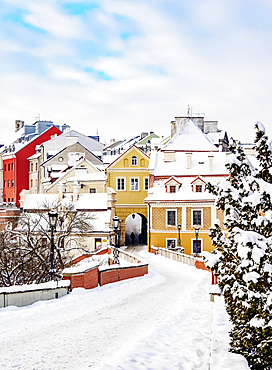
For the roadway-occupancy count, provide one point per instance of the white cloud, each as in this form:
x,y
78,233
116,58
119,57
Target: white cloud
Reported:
x,y
207,59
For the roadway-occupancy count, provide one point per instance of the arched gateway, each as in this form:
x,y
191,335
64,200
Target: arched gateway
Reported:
x,y
136,229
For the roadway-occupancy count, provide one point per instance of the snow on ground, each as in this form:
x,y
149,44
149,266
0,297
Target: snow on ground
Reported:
x,y
163,320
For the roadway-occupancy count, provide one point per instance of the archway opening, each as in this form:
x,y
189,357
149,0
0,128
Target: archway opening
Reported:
x,y
136,229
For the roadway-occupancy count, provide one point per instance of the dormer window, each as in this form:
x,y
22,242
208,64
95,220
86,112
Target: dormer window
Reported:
x,y
172,189
134,161
172,185
198,185
198,188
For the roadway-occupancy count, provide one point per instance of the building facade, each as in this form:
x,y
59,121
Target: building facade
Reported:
x,y
128,175
180,209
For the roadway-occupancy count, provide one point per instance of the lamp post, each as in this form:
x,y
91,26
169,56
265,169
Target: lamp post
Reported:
x,y
53,216
179,241
116,221
196,236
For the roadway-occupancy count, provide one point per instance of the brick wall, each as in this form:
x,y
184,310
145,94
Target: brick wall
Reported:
x,y
87,280
113,275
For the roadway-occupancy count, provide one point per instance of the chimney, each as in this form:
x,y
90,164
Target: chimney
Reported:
x,y
19,124
189,160
76,189
210,162
61,190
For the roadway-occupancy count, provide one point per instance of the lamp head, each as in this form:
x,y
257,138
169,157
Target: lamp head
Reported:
x,y
53,216
196,231
116,222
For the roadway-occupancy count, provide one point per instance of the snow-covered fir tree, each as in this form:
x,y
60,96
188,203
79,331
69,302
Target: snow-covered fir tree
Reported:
x,y
242,258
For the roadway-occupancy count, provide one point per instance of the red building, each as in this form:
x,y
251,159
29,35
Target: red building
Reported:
x,y
16,165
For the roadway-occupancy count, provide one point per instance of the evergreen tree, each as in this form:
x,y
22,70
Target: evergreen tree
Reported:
x,y
242,258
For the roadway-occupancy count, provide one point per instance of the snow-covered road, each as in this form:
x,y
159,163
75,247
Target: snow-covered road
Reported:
x,y
159,321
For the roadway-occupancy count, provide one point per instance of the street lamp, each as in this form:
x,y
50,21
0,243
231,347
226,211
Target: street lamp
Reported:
x,y
116,221
53,216
179,241
196,236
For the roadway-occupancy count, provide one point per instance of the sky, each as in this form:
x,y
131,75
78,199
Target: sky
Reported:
x,y
122,67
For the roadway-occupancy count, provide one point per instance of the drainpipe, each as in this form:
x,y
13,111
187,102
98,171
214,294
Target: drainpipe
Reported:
x,y
149,235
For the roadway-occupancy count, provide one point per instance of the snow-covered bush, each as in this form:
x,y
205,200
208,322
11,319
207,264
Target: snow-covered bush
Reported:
x,y
242,258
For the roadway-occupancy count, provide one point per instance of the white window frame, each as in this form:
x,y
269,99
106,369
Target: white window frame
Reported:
x,y
133,158
171,210
192,244
166,242
146,188
192,217
120,178
138,181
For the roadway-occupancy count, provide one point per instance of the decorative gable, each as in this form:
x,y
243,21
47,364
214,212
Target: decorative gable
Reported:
x,y
198,185
132,158
172,185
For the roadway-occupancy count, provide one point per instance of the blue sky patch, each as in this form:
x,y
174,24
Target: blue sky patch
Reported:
x,y
100,75
155,69
18,17
79,8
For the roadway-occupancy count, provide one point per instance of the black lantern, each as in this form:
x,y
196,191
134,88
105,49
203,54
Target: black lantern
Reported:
x,y
179,241
198,248
53,217
116,221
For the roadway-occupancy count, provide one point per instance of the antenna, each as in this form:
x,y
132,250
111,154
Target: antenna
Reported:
x,y
188,112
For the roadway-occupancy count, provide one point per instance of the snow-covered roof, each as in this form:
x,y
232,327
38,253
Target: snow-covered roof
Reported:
x,y
67,170
199,164
40,201
214,137
34,156
60,142
95,176
92,201
190,138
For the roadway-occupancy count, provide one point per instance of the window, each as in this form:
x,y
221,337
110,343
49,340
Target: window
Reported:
x,y
8,166
31,183
12,183
198,188
120,183
196,246
31,166
171,218
134,161
8,183
134,184
12,166
172,188
36,166
171,243
97,243
92,190
196,217
146,183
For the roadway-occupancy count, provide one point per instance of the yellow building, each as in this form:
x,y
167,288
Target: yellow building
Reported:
x,y
128,175
180,209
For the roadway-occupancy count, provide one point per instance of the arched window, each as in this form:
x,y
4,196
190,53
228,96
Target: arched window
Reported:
x,y
134,161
